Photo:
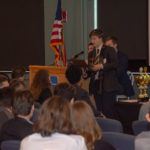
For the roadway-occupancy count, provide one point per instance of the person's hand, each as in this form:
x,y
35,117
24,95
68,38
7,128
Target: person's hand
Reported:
x,y
97,67
147,116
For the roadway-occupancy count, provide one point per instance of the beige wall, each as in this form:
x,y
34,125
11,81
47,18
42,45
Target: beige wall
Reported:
x,y
80,22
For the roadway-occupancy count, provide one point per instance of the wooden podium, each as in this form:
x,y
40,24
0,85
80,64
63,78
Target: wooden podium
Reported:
x,y
59,72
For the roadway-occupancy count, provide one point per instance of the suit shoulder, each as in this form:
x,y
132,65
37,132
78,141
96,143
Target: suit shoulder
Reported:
x,y
122,54
109,49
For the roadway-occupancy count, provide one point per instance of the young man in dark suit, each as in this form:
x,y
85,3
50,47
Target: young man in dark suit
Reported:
x,y
123,78
103,63
20,126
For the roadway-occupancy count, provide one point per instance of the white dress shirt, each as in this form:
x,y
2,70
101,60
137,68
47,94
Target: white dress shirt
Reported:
x,y
56,141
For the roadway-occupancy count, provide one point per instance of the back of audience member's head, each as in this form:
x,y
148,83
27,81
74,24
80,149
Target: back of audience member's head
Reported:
x,y
54,116
74,74
6,97
40,82
85,123
23,104
17,85
3,81
65,90
79,63
18,73
5,75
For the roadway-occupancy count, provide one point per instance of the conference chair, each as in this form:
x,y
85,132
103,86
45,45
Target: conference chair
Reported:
x,y
139,126
119,141
10,145
110,125
142,141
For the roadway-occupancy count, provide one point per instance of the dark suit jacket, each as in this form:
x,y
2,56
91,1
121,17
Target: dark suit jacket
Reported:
x,y
123,78
4,116
110,81
82,94
15,129
46,93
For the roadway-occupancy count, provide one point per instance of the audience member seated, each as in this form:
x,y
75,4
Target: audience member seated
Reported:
x,y
3,81
74,76
147,116
41,87
65,90
145,109
18,73
86,125
5,75
20,126
53,128
5,105
17,85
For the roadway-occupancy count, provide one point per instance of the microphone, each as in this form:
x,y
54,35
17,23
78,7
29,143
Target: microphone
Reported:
x,y
77,55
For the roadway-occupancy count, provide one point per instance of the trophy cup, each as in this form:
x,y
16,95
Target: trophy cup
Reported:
x,y
146,83
143,80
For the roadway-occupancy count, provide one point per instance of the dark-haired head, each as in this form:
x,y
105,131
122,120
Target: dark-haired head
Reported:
x,y
65,90
112,41
17,85
74,74
97,32
54,116
97,37
5,75
23,104
6,97
18,73
3,81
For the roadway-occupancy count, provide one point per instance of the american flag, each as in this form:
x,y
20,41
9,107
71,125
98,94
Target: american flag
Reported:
x,y
57,38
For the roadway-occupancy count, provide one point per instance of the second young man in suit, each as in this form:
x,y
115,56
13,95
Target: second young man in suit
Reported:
x,y
103,63
123,78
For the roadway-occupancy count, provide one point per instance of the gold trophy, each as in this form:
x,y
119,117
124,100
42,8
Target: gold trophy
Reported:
x,y
143,80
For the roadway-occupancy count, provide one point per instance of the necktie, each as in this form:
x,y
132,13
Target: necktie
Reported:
x,y
98,51
97,57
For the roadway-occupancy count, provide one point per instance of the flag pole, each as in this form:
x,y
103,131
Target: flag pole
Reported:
x,y
63,50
